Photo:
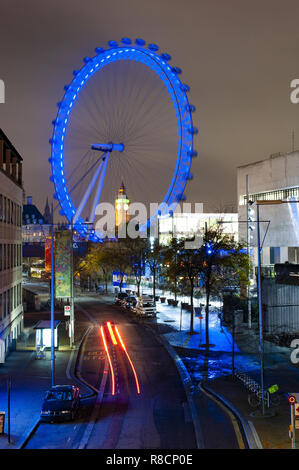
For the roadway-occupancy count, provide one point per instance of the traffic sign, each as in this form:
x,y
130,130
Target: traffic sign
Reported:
x,y
292,399
67,310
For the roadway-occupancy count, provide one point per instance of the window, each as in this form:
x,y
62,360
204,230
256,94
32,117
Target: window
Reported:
x,y
4,209
293,254
4,308
274,255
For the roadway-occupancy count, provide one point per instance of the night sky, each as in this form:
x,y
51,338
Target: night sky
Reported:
x,y
238,57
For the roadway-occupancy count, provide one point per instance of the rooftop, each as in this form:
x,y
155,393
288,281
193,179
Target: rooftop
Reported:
x,y
31,214
271,157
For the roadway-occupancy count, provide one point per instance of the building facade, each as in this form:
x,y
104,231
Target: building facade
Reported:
x,y
189,224
273,179
36,232
11,192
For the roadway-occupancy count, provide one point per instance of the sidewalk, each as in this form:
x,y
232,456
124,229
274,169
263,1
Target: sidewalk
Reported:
x,y
272,431
31,378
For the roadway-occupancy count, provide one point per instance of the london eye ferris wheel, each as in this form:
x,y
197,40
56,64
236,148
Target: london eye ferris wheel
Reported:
x,y
124,116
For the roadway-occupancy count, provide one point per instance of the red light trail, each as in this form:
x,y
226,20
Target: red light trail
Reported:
x,y
109,360
128,357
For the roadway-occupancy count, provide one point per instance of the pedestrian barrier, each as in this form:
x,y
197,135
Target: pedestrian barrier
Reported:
x,y
255,389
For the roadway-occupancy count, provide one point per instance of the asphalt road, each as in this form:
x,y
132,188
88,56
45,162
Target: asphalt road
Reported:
x,y
156,418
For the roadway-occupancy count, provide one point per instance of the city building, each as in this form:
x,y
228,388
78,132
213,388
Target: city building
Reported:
x,y
273,179
36,238
11,193
47,215
186,225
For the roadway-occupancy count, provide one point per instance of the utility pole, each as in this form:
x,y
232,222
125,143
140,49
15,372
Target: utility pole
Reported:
x,y
248,253
233,345
52,305
72,316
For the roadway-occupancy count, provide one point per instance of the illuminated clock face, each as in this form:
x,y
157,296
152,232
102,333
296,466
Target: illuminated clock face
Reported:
x,y
118,207
126,207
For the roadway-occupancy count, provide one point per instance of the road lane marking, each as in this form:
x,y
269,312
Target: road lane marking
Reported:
x,y
187,341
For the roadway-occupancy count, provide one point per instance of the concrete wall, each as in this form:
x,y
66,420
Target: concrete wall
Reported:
x,y
274,173
282,312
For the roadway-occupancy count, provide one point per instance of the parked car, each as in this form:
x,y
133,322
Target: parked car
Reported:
x,y
130,301
100,289
61,403
145,306
121,296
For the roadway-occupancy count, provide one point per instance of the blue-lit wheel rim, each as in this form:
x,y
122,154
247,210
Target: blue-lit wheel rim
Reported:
x,y
177,91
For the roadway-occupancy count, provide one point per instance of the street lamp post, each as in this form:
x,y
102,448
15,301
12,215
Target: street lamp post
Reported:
x,y
261,326
52,310
72,319
248,252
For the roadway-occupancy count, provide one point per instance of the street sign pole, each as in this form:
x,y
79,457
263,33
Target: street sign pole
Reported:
x,y
292,432
293,427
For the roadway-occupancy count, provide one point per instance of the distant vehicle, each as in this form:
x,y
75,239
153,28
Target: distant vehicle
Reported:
x,y
61,403
130,301
121,296
145,306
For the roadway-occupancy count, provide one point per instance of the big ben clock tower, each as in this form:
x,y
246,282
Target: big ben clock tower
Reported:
x,y
121,207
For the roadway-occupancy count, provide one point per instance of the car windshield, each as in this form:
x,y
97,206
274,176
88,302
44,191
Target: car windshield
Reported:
x,y
59,395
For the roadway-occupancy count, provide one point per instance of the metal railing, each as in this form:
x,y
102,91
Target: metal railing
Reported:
x,y
253,387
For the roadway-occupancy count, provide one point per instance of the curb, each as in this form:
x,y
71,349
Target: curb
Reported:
x,y
246,427
95,412
27,434
186,380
